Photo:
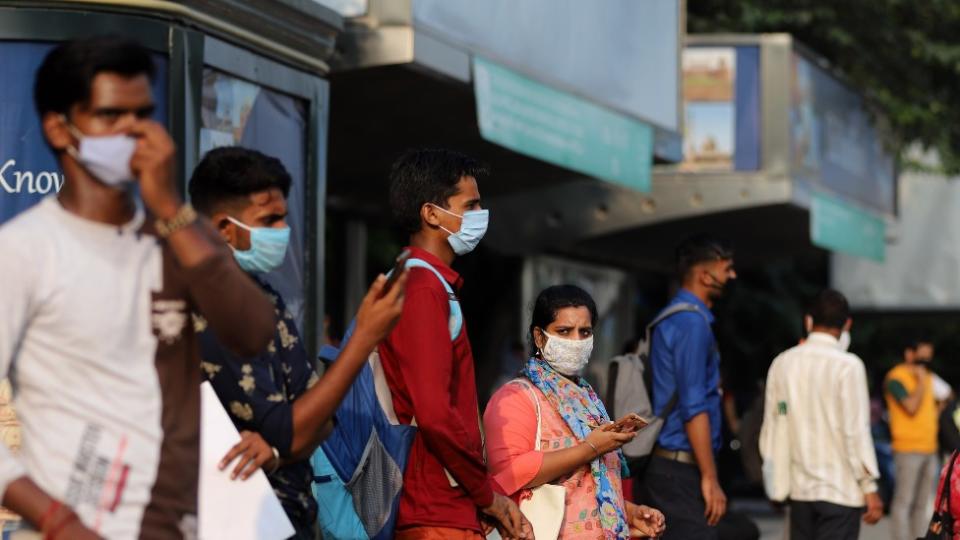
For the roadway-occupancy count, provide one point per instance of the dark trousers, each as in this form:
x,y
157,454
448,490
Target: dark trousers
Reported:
x,y
823,521
674,489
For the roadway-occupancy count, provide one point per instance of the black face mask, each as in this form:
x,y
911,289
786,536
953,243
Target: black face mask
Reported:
x,y
716,286
925,362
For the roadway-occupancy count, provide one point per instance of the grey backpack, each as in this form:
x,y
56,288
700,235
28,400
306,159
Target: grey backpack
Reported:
x,y
630,383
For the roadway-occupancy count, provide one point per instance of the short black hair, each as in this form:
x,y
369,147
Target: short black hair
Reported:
x,y
427,175
829,309
698,249
231,173
552,299
66,75
914,339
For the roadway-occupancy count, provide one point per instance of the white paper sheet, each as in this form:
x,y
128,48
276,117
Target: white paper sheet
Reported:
x,y
232,509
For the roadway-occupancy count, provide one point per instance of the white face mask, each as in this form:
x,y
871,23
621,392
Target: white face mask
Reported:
x,y
106,157
567,356
845,341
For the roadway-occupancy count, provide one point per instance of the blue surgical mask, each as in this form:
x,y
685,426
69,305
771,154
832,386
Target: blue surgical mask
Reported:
x,y
473,225
268,246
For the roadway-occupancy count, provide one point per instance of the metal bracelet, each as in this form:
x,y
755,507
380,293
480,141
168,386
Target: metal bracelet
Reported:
x,y
276,461
185,216
595,451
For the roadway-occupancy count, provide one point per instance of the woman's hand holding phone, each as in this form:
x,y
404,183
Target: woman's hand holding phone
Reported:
x,y
630,423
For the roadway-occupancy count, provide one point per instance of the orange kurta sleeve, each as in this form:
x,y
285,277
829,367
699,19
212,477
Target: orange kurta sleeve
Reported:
x,y
510,425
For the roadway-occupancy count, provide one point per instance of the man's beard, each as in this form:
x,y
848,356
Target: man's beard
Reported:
x,y
716,292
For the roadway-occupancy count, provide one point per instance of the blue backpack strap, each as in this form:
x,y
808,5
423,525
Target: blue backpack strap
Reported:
x,y
456,315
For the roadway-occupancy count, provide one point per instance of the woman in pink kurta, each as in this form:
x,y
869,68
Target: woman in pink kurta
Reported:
x,y
588,467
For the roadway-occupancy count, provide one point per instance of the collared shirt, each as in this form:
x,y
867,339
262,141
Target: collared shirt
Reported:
x,y
686,361
821,390
258,394
432,379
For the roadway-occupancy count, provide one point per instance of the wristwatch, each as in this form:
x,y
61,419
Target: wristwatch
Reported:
x,y
185,216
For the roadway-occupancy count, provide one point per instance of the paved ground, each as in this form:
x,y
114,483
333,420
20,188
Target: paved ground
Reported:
x,y
772,524
771,528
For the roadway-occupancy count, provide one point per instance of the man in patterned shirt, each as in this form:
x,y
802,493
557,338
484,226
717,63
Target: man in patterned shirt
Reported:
x,y
277,401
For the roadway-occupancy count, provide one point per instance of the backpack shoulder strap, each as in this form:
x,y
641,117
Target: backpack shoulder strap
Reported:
x,y
670,311
456,315
667,312
420,263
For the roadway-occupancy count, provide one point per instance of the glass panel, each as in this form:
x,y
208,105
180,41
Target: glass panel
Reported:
x,y
238,112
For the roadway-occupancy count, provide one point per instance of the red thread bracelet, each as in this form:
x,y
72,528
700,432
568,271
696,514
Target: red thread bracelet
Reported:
x,y
48,513
52,535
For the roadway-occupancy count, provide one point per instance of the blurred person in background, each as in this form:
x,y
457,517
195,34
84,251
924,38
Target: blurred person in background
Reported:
x,y
681,479
914,415
817,408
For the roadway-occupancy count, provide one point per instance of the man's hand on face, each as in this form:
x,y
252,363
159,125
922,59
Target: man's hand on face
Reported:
x,y
919,370
154,165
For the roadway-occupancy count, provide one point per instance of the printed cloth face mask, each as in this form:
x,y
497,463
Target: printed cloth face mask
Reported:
x,y
567,356
473,225
268,246
106,157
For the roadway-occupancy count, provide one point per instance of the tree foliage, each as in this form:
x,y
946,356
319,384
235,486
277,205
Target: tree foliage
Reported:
x,y
904,55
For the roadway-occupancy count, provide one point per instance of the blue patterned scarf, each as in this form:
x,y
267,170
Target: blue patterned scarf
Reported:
x,y
580,408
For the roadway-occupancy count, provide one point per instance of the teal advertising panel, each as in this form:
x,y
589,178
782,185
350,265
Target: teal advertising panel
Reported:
x,y
839,226
560,128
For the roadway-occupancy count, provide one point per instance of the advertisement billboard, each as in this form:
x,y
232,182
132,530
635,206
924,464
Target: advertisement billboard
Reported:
x,y
721,99
834,145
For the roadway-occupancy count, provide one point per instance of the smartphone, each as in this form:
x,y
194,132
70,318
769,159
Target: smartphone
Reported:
x,y
397,271
630,423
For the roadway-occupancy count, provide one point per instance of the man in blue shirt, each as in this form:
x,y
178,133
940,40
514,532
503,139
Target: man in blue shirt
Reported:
x,y
681,479
276,399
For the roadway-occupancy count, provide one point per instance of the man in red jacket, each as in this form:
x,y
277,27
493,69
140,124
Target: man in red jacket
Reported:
x,y
428,361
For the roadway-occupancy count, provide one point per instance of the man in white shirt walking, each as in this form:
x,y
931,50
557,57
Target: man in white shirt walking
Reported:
x,y
815,438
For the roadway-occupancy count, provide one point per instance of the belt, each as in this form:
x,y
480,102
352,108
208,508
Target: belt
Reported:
x,y
675,455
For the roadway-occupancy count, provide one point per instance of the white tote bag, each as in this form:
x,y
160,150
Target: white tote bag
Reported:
x,y
545,508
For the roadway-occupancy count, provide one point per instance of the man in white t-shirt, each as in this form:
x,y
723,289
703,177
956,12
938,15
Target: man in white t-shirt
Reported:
x,y
816,426
97,289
